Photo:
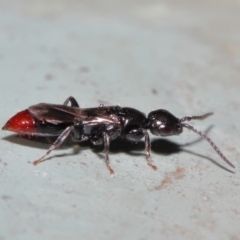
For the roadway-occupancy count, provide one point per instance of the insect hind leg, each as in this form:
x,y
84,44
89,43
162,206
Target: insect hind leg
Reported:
x,y
56,144
72,100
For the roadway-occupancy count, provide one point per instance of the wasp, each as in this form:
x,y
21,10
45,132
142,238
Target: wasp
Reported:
x,y
100,125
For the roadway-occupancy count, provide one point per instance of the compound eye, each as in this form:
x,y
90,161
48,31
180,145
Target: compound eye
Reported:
x,y
165,130
161,129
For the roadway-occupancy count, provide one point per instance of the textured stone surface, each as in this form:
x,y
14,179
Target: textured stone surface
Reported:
x,y
181,56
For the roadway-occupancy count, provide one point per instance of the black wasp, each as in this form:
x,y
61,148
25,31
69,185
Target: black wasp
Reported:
x,y
100,125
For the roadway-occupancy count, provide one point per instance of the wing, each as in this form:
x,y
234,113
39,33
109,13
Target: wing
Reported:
x,y
62,114
55,114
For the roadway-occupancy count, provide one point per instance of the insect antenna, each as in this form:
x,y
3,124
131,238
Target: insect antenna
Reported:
x,y
202,117
190,127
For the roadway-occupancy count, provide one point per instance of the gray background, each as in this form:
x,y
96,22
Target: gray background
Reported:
x,y
183,56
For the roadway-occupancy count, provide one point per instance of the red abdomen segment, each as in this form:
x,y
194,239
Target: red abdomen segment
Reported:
x,y
22,123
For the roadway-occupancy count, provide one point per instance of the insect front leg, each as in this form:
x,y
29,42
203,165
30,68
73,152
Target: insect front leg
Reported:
x,y
136,135
148,149
73,102
106,142
56,144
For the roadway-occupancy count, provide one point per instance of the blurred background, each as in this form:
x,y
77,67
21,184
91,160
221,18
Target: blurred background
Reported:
x,y
183,56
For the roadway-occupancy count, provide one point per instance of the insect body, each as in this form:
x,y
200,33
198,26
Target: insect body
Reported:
x,y
99,125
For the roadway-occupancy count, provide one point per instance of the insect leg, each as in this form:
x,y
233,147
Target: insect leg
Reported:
x,y
136,135
56,144
148,149
106,142
73,102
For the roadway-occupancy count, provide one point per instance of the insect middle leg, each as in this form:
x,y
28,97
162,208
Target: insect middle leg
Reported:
x,y
56,144
106,142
